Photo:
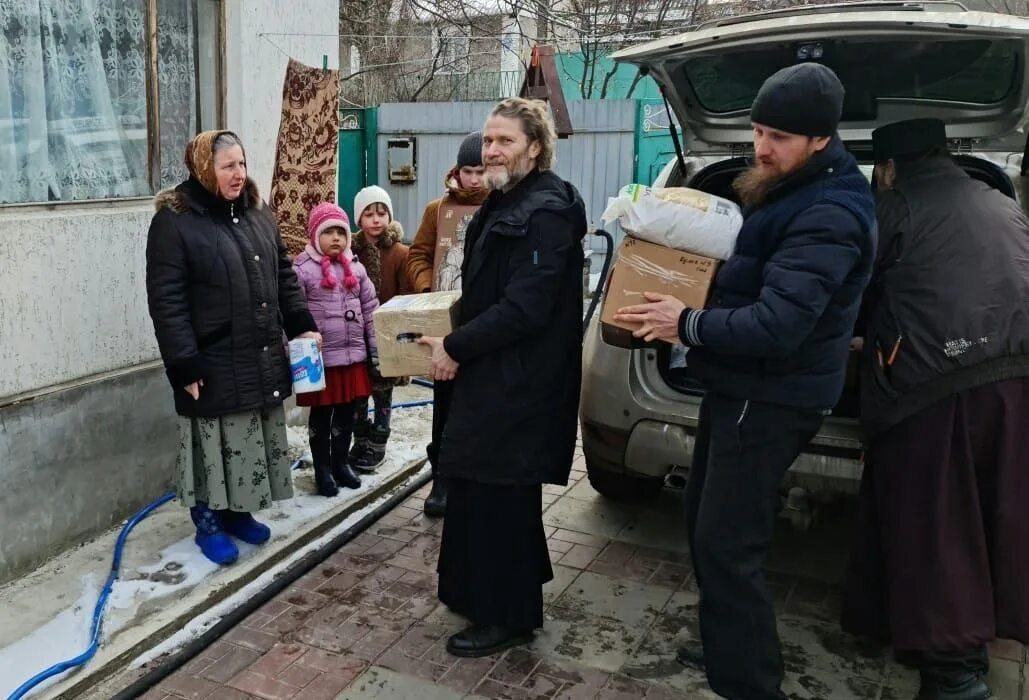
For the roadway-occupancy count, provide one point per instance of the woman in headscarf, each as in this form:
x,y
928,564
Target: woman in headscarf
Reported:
x,y
222,292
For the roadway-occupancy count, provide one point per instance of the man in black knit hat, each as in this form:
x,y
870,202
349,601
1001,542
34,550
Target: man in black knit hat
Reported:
x,y
771,349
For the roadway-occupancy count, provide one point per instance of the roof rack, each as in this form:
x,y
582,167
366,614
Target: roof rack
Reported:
x,y
885,5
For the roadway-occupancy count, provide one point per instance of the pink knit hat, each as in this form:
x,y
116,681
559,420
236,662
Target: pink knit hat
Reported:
x,y
323,217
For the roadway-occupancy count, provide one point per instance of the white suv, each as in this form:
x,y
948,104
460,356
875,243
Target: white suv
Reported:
x,y
897,61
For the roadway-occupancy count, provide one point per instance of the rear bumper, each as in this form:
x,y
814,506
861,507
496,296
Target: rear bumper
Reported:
x,y
632,421
648,449
655,449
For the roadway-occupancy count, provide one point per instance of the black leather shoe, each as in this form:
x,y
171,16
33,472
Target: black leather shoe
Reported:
x,y
483,640
436,502
974,688
691,655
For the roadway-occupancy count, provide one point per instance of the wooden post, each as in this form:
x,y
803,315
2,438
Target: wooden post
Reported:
x,y
153,99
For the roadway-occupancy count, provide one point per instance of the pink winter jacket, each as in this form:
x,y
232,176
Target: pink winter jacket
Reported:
x,y
344,316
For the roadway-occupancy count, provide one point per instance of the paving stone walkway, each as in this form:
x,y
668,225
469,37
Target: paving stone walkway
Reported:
x,y
366,623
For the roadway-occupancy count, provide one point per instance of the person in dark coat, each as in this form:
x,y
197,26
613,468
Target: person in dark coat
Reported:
x,y
771,349
222,292
941,566
516,355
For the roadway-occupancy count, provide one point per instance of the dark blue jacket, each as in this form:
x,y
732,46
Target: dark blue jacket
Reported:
x,y
782,310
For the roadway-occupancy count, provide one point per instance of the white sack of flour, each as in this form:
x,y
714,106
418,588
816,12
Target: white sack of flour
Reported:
x,y
677,217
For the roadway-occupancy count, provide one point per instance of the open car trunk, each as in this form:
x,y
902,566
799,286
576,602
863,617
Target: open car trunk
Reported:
x,y
717,179
896,60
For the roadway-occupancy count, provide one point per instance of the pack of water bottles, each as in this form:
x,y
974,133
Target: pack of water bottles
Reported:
x,y
306,366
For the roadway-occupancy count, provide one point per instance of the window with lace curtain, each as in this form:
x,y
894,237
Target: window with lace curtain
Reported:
x,y
74,115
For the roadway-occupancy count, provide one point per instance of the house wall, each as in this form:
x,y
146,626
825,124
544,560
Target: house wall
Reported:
x,y
260,38
87,429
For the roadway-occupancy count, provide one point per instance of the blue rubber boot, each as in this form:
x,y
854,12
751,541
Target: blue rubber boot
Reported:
x,y
243,527
212,540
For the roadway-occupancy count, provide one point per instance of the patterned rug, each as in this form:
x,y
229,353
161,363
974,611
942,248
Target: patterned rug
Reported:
x,y
306,151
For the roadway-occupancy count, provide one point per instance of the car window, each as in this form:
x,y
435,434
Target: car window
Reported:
x,y
976,71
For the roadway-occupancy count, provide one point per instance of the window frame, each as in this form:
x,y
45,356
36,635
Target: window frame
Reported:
x,y
153,111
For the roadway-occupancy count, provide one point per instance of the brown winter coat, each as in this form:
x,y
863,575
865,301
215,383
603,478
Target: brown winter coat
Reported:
x,y
421,262
386,261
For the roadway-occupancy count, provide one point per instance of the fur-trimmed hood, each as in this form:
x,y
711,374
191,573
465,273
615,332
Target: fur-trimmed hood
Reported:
x,y
383,259
459,195
190,195
394,234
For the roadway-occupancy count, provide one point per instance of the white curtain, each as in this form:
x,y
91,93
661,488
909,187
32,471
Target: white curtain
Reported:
x,y
72,100
73,113
176,71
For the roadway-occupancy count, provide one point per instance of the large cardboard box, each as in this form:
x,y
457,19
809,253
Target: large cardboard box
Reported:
x,y
647,267
402,320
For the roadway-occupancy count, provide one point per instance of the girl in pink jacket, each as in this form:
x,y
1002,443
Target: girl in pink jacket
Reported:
x,y
341,298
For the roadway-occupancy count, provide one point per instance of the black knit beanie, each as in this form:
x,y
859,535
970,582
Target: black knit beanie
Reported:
x,y
805,99
469,155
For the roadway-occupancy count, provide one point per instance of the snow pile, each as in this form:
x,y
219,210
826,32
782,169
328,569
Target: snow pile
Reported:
x,y
64,637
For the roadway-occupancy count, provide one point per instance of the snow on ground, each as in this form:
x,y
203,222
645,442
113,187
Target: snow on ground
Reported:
x,y
65,636
180,566
200,624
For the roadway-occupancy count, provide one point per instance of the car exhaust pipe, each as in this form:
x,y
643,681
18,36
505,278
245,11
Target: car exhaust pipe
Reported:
x,y
676,478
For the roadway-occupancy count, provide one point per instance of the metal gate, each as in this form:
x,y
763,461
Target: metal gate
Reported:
x,y
419,142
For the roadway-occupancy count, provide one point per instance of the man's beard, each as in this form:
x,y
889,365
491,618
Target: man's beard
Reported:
x,y
511,175
754,184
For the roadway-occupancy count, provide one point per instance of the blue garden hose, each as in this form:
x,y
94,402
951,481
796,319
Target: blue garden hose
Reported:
x,y
98,611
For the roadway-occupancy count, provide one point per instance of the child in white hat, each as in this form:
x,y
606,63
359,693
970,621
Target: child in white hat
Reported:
x,y
379,247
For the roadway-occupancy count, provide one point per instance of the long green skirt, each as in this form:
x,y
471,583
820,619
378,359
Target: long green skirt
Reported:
x,y
238,461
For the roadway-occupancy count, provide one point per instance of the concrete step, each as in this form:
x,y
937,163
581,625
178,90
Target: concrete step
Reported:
x,y
166,588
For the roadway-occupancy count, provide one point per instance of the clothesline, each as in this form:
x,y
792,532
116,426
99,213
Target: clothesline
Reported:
x,y
289,57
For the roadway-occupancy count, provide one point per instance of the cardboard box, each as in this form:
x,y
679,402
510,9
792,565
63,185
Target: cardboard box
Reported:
x,y
402,320
647,267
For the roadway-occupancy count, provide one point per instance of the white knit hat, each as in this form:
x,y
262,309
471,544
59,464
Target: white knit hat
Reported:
x,y
369,196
